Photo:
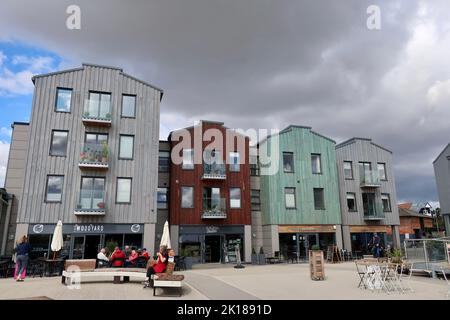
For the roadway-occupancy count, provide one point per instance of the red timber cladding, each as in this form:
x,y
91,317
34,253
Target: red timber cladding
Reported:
x,y
180,177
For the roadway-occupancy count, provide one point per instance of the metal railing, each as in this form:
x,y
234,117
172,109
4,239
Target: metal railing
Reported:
x,y
370,178
214,171
91,205
374,213
97,110
214,208
95,154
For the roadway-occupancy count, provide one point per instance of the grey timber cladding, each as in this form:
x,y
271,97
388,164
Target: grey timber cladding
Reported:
x,y
442,174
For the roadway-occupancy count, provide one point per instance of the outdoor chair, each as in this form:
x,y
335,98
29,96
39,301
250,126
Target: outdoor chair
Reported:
x,y
102,263
36,268
446,280
362,273
405,276
141,262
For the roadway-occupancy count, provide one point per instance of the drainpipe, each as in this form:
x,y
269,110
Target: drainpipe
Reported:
x,y
6,226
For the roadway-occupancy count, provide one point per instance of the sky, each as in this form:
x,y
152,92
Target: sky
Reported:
x,y
256,64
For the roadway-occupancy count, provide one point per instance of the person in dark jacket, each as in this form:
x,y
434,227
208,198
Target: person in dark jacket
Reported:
x,y
375,244
22,250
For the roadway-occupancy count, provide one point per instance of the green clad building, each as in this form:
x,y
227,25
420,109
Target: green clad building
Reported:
x,y
299,199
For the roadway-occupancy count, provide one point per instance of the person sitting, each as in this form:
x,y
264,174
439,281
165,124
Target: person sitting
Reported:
x,y
132,259
145,254
157,266
117,258
127,251
103,260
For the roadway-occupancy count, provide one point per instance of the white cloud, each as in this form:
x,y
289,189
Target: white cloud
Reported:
x,y
4,152
5,131
2,58
34,64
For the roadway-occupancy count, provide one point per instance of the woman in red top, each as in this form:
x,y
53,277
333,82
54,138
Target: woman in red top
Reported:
x,y
117,258
158,266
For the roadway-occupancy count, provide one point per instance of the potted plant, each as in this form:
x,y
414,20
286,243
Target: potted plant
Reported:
x,y
110,246
108,116
105,152
254,257
86,114
101,205
261,256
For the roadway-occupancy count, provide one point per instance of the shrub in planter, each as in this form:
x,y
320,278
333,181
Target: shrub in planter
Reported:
x,y
254,257
261,256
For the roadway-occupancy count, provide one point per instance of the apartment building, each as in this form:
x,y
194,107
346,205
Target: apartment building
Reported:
x,y
300,200
91,161
368,195
442,173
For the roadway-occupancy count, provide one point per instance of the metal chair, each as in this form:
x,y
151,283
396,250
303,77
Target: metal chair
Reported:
x,y
446,280
404,278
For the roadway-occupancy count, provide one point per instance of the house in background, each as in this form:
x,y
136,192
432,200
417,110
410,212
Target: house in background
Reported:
x,y
413,224
442,174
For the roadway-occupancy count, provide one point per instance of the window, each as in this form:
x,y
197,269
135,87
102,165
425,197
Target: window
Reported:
x,y
126,147
54,188
319,202
288,162
164,161
128,106
58,146
316,164
235,198
123,194
187,197
386,200
63,100
234,161
212,200
365,169
351,202
256,200
348,170
99,106
254,166
289,196
162,197
382,171
188,159
92,193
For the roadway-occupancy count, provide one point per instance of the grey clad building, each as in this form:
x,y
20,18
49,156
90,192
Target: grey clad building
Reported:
x,y
91,161
367,193
442,173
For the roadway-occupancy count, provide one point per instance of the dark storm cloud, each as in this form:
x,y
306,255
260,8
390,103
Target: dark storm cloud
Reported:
x,y
261,63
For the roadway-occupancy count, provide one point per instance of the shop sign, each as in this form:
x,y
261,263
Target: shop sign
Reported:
x,y
212,229
88,228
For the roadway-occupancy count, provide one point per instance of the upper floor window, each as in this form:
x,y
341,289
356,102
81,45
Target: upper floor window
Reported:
x,y
289,197
126,147
351,202
319,201
63,99
99,106
386,200
254,166
256,199
58,146
187,197
162,198
164,161
235,161
128,106
348,170
235,198
54,188
288,162
188,159
92,195
382,171
316,164
123,194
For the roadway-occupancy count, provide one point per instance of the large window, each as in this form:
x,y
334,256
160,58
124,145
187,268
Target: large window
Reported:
x,y
316,164
54,188
288,162
63,99
187,197
235,198
212,200
92,193
256,200
188,159
99,106
386,200
58,145
123,194
126,148
128,106
234,161
164,161
382,171
348,170
351,202
319,201
162,198
289,197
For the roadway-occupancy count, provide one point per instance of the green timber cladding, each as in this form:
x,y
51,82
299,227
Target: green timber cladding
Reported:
x,y
302,142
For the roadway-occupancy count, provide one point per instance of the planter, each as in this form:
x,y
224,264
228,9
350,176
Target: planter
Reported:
x,y
189,261
261,259
255,259
316,265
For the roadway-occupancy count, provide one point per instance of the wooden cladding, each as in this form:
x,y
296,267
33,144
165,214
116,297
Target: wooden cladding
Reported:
x,y
305,228
360,229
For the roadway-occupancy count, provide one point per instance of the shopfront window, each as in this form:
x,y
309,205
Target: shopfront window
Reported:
x,y
40,245
190,246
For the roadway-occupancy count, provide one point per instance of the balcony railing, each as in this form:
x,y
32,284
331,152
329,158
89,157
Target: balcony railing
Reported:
x,y
97,113
90,207
214,208
375,212
370,179
94,156
215,171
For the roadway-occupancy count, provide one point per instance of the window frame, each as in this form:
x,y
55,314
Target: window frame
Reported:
x,y
46,188
320,163
356,202
182,157
385,171
135,105
159,158
117,189
120,146
240,197
51,143
389,202
231,165
295,198
167,198
323,198
101,93
193,197
255,206
56,99
293,161
92,177
351,170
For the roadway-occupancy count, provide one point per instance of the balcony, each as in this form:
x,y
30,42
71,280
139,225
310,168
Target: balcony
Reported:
x,y
94,156
97,113
90,207
215,171
374,212
370,179
214,208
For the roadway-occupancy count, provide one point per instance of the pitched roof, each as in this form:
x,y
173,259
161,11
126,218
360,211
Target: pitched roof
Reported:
x,y
406,205
292,126
354,139
442,152
410,213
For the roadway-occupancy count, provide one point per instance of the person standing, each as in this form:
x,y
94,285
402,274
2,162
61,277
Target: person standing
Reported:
x,y
375,243
22,250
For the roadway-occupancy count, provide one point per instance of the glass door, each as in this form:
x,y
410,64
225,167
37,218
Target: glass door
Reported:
x,y
78,247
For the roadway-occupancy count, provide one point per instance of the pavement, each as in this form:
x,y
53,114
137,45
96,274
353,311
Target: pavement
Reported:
x,y
279,281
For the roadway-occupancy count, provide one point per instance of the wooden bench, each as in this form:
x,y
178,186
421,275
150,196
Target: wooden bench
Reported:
x,y
82,269
168,280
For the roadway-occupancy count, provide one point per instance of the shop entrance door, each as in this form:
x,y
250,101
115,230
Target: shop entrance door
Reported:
x,y
212,248
305,242
78,247
92,246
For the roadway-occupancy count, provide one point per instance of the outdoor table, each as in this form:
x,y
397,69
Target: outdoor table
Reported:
x,y
49,265
377,274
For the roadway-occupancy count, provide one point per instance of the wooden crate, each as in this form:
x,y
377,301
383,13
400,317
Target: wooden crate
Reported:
x,y
316,265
